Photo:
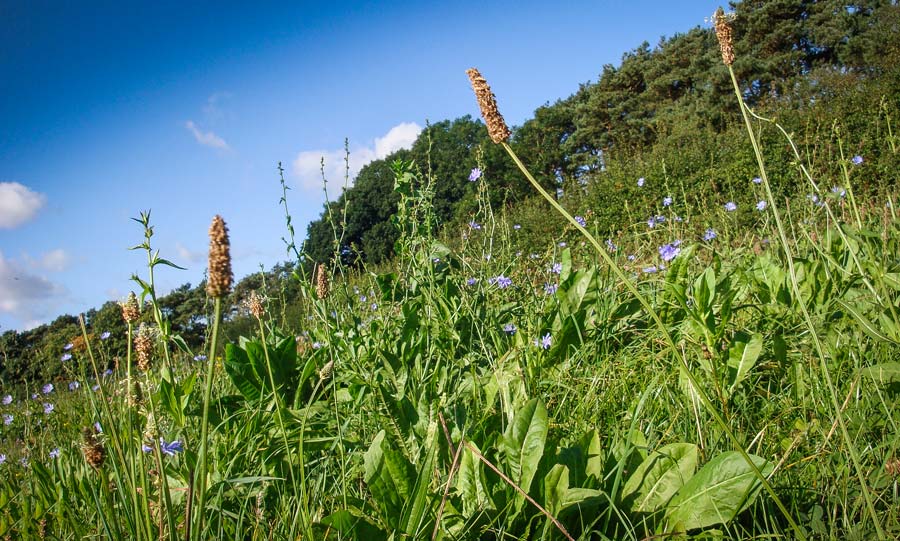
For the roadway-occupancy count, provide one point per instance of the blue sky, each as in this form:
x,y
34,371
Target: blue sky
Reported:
x,y
111,108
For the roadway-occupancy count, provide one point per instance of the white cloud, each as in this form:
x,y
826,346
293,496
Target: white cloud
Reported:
x,y
26,296
307,165
18,204
188,255
213,110
54,260
208,139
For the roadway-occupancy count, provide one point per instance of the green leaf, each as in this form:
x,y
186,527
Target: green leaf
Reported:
x,y
237,366
167,263
390,478
866,325
523,445
724,487
884,373
471,484
659,477
742,357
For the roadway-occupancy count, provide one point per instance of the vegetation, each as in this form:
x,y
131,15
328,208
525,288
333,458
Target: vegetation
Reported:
x,y
700,341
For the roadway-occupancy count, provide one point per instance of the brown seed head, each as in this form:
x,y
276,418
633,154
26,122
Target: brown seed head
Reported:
x,y
220,277
143,347
92,448
724,35
487,102
131,310
326,371
254,304
321,281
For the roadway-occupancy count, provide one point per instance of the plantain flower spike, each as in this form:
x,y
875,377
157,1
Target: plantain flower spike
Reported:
x,y
321,281
94,452
220,277
487,102
131,311
724,35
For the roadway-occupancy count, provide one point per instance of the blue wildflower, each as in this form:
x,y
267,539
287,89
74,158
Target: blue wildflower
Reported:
x,y
170,448
471,281
757,180
838,191
509,329
104,335
475,174
857,160
47,389
2,458
668,252
65,357
501,281
610,246
517,227
74,385
631,257
544,342
651,222
7,419
709,235
640,182
474,225
730,206
200,358
7,400
556,268
650,270
562,244
667,201
581,221
761,206
550,289
54,453
48,408
68,346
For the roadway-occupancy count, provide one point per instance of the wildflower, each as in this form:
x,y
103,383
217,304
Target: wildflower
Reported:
x,y
838,191
610,246
66,357
556,268
760,206
316,345
24,462
74,385
651,222
54,453
650,270
254,304
757,180
68,346
550,289
709,235
220,277
170,448
98,428
48,408
517,227
660,219
543,342
667,201
146,448
471,281
34,396
562,244
107,372
104,335
730,206
474,225
678,219
200,358
496,126
581,221
640,182
501,281
857,160
96,387
668,252
533,256
487,257
475,174
375,305
2,458
631,257
7,400
47,389
7,419
509,329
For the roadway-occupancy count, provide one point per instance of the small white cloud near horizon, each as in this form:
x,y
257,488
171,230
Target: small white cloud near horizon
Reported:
x,y
55,260
207,139
188,255
30,298
18,204
307,166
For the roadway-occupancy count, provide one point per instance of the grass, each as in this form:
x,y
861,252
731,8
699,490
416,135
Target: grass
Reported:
x,y
664,385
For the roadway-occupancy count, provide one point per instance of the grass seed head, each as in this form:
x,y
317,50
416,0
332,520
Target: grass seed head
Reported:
x,y
220,277
143,347
131,310
724,35
254,304
487,102
321,282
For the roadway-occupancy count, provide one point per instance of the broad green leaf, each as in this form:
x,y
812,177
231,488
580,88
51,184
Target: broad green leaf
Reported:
x,y
523,444
417,508
237,366
390,478
471,484
724,487
556,483
659,477
884,373
742,357
867,326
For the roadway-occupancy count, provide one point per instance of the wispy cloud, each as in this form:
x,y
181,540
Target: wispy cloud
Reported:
x,y
189,255
26,296
18,204
55,261
213,110
208,139
307,166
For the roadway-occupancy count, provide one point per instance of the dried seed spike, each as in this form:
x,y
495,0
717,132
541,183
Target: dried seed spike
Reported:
x,y
131,311
321,281
487,102
93,450
220,277
724,35
143,347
